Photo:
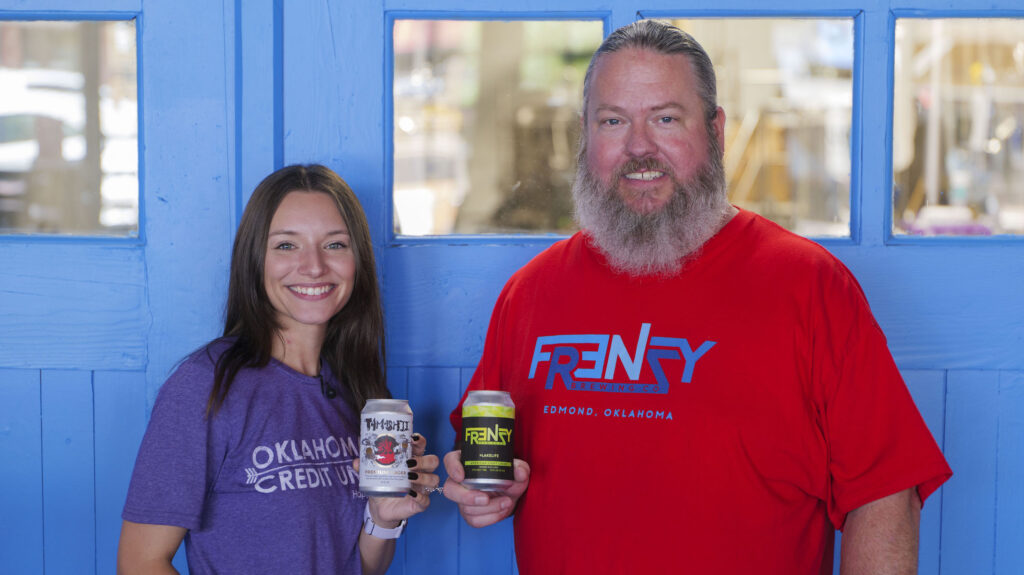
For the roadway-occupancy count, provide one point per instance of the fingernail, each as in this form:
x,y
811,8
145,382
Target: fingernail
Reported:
x,y
410,463
413,493
413,475
504,503
480,500
416,437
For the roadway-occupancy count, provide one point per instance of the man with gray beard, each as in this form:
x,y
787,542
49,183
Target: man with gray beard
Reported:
x,y
697,390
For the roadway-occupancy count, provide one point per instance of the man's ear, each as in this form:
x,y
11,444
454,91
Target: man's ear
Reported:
x,y
719,123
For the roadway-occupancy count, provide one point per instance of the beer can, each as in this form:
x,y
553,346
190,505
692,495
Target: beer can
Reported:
x,y
385,445
487,418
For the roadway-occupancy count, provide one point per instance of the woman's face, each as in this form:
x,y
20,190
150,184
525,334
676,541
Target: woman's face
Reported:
x,y
310,265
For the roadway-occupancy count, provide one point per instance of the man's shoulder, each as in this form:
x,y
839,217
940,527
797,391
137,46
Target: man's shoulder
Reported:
x,y
788,259
768,240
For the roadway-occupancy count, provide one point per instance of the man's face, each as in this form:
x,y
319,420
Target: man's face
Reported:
x,y
645,126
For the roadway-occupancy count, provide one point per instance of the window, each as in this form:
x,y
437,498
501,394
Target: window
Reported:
x,y
485,124
958,120
68,128
786,86
486,121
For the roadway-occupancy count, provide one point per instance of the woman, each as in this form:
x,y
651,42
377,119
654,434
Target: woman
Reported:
x,y
248,454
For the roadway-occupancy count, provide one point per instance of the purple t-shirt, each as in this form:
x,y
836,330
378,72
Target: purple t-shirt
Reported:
x,y
265,485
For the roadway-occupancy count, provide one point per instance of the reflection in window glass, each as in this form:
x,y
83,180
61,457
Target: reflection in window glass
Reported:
x,y
958,120
786,86
486,121
485,124
68,128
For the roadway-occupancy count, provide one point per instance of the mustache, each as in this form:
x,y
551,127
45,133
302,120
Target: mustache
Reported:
x,y
643,165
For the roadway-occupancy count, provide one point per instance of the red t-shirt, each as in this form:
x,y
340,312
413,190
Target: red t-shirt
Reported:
x,y
719,421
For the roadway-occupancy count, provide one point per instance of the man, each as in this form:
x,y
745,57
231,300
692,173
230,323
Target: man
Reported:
x,y
697,390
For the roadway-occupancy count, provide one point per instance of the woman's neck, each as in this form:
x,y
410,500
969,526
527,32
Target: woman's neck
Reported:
x,y
300,352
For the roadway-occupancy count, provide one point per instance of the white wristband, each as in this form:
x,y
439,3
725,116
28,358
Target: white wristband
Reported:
x,y
372,528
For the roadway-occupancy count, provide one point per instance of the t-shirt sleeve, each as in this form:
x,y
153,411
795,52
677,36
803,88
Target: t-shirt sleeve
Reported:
x,y
169,482
878,442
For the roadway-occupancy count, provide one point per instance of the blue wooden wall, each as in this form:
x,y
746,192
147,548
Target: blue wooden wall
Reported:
x,y
89,328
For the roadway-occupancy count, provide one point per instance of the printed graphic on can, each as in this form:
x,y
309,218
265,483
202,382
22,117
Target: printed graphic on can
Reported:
x,y
385,445
487,419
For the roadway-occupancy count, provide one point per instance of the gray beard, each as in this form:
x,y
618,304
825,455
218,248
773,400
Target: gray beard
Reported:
x,y
661,242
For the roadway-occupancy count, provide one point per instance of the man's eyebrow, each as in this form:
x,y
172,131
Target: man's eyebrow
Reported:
x,y
654,108
667,106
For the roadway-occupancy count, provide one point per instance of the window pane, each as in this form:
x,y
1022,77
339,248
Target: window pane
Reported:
x,y
68,128
958,120
786,86
485,124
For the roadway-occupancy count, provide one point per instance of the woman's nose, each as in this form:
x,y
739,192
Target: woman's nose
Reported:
x,y
312,263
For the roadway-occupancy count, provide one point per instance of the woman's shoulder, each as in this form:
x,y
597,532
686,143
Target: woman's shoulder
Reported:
x,y
206,357
195,372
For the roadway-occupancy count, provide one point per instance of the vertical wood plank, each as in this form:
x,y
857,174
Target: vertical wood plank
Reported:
x,y
120,416
333,105
255,132
188,191
928,388
1010,476
69,513
432,394
21,482
969,498
398,383
490,549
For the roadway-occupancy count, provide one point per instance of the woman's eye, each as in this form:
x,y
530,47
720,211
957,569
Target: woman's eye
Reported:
x,y
284,246
337,246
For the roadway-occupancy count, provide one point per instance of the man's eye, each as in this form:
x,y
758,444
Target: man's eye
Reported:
x,y
666,119
612,122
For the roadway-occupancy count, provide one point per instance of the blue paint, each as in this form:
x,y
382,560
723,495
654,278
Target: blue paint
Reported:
x,y
278,67
433,392
928,389
239,107
119,407
21,483
69,508
969,498
1009,521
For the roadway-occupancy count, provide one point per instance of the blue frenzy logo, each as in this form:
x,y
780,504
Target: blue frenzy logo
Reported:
x,y
564,359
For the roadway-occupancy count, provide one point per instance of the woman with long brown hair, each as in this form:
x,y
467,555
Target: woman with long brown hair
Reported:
x,y
248,454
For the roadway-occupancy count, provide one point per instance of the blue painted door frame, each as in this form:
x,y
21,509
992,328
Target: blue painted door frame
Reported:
x,y
231,89
90,328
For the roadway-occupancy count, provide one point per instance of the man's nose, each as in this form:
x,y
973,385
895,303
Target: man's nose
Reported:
x,y
639,142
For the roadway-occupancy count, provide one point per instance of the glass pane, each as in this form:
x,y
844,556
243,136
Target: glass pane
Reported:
x,y
786,86
485,124
958,121
68,128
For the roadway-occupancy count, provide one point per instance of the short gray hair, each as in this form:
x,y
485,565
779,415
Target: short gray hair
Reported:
x,y
663,39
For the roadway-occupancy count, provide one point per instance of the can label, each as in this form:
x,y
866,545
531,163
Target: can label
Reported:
x,y
386,444
487,441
